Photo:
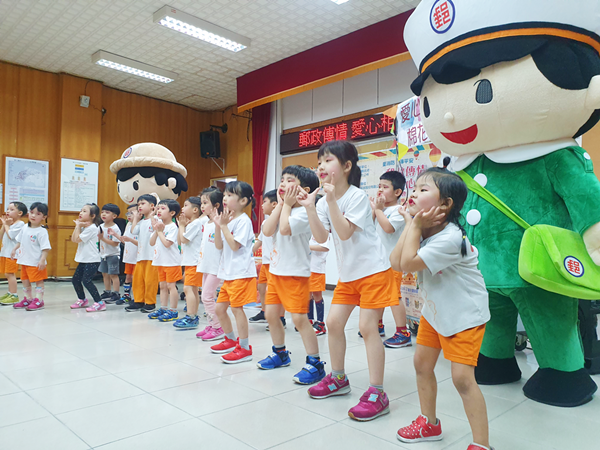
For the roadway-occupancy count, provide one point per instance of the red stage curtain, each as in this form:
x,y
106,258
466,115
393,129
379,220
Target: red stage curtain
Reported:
x,y
261,121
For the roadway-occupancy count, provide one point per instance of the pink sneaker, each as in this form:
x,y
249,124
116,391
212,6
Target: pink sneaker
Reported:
x,y
35,305
420,430
200,334
213,334
478,447
330,386
97,306
371,405
22,304
80,304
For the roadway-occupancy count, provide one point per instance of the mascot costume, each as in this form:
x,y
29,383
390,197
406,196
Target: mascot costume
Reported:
x,y
506,87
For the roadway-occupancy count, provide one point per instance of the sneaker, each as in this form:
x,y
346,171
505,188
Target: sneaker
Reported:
x,y
147,308
199,334
187,323
80,304
126,298
185,309
420,430
282,321
238,355
114,297
275,360
259,318
168,316
4,297
312,372
371,405
224,347
134,307
213,334
398,340
96,307
22,304
330,386
477,447
320,329
35,305
105,295
156,314
10,299
381,331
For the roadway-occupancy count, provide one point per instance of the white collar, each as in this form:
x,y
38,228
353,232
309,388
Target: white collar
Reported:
x,y
515,154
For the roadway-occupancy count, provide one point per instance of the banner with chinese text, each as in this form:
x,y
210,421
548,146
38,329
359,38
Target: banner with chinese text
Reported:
x,y
373,165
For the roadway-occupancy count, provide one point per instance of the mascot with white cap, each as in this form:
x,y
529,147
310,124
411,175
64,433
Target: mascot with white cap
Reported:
x,y
506,87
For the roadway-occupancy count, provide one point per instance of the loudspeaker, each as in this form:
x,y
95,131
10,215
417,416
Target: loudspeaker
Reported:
x,y
210,146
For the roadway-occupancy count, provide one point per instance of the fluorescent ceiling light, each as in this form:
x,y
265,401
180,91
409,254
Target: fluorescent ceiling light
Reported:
x,y
200,29
133,67
339,2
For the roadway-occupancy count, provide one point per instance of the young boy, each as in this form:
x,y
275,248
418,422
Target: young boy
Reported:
x,y
288,283
318,261
389,224
110,251
129,256
145,282
9,230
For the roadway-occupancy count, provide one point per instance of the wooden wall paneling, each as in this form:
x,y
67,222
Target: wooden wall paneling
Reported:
x,y
591,142
9,101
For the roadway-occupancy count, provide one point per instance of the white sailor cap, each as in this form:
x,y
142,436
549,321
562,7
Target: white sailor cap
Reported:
x,y
437,28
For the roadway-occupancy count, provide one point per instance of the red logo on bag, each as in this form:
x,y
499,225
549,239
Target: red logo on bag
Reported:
x,y
574,266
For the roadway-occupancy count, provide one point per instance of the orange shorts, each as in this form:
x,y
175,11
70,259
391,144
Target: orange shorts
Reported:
x,y
169,274
192,278
317,282
461,348
238,292
371,292
8,265
129,268
291,292
32,274
263,276
398,278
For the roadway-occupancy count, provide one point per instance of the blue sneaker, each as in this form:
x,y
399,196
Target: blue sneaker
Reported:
x,y
275,360
185,309
156,314
312,372
187,323
168,316
398,340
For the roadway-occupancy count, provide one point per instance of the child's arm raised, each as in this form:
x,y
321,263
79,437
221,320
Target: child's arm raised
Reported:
x,y
344,228
270,226
183,222
316,226
396,255
378,205
289,199
222,221
410,261
76,232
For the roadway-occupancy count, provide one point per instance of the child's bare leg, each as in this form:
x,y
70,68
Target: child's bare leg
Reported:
x,y
39,290
164,294
336,322
399,313
173,295
192,300
106,279
307,332
12,282
425,360
369,328
128,278
272,314
116,284
241,322
221,311
27,289
262,292
463,377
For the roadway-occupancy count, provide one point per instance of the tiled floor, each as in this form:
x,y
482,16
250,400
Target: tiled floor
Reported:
x,y
115,380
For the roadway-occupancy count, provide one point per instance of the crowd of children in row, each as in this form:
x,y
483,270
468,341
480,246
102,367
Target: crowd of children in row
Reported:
x,y
374,240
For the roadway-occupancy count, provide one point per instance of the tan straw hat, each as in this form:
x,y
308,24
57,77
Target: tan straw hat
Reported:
x,y
148,154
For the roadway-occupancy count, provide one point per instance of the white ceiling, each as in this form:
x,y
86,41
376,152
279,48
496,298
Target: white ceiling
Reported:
x,y
61,36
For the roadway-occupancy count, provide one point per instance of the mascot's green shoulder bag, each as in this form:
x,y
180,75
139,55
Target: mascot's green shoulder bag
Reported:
x,y
551,258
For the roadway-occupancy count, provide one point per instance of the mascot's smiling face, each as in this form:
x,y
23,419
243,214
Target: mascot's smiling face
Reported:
x,y
130,190
507,104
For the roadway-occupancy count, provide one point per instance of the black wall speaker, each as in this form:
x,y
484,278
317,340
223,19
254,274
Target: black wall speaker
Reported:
x,y
210,146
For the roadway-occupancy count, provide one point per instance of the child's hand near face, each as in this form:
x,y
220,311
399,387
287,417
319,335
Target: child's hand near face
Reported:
x,y
305,199
290,195
429,219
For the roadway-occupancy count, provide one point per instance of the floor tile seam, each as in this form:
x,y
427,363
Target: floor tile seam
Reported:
x,y
62,383
225,432
167,388
99,404
317,429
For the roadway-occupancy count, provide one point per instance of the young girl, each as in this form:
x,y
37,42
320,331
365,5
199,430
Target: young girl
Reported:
x,y
455,306
208,264
366,278
233,234
34,246
9,230
130,252
85,235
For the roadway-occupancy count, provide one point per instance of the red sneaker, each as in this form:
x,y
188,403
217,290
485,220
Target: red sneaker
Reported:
x,y
420,431
478,447
224,346
238,355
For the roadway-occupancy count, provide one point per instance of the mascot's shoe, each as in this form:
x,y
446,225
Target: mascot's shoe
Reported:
x,y
491,371
558,388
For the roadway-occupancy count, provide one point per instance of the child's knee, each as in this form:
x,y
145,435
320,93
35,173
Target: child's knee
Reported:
x,y
300,320
272,313
463,381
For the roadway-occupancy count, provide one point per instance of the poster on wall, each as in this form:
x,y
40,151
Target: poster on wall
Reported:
x,y
78,184
26,180
372,165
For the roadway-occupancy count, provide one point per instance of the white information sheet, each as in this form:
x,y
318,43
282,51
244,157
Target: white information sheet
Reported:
x,y
26,180
78,184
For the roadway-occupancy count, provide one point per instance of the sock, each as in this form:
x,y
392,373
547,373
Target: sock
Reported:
x,y
27,292
39,293
101,302
230,336
311,309
106,291
339,374
245,343
380,323
173,310
127,288
10,293
279,348
320,310
403,330
379,387
316,356
117,292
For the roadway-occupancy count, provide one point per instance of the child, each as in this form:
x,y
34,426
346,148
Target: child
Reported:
x,y
10,229
129,256
389,224
145,282
233,234
366,278
455,306
190,239
34,246
318,262
167,259
208,264
85,235
110,252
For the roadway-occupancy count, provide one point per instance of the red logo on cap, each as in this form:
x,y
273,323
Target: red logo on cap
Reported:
x,y
574,266
442,16
127,152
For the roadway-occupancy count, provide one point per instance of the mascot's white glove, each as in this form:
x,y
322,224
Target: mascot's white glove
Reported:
x,y
591,238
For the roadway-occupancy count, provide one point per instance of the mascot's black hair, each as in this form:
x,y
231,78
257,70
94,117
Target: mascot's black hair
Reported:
x,y
160,175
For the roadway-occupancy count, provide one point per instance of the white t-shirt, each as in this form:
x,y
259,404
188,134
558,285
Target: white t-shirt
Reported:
x,y
209,258
239,264
389,240
9,240
290,255
109,250
191,250
33,241
453,290
87,249
131,250
318,260
267,245
167,256
363,254
143,230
